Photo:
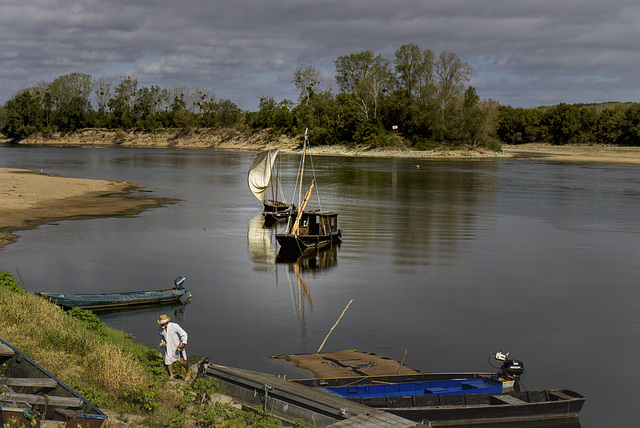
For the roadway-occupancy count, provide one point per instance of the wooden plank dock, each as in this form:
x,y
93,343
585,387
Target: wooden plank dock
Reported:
x,y
290,401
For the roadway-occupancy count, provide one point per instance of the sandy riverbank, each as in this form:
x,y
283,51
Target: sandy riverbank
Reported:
x,y
232,140
30,198
575,153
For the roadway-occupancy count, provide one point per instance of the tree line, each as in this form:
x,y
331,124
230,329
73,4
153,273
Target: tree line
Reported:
x,y
417,98
604,123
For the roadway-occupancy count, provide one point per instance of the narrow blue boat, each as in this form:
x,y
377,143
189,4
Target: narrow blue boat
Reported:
x,y
177,294
443,387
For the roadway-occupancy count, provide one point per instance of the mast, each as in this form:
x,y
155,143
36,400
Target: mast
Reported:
x,y
304,153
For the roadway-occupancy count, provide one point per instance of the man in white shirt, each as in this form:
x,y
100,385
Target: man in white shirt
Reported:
x,y
174,339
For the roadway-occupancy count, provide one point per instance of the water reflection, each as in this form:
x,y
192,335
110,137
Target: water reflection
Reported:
x,y
263,251
261,242
140,315
316,259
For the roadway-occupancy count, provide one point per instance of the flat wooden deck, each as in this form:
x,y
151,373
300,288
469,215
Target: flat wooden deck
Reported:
x,y
290,400
347,363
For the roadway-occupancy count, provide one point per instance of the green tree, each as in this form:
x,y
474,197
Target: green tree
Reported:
x,y
307,81
146,107
220,114
520,126
121,104
70,100
610,126
478,119
451,76
320,114
365,77
23,115
630,127
272,114
563,122
414,69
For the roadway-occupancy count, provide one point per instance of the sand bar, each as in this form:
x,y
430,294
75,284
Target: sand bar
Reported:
x,y
31,198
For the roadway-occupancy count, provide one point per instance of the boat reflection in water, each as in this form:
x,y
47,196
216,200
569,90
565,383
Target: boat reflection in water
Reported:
x,y
123,319
261,243
300,268
263,251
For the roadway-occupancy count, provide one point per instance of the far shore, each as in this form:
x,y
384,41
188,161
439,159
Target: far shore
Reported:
x,y
232,140
32,198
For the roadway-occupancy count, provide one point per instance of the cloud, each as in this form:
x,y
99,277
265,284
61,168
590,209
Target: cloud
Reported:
x,y
522,52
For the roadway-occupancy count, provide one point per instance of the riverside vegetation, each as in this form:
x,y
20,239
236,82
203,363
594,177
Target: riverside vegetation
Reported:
x,y
417,100
126,380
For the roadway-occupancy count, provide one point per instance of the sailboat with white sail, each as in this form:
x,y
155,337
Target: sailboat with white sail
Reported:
x,y
260,184
308,229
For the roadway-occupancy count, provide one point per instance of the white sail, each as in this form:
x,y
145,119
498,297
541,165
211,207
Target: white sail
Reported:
x,y
260,173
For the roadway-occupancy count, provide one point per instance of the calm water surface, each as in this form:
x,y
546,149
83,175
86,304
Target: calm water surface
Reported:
x,y
449,261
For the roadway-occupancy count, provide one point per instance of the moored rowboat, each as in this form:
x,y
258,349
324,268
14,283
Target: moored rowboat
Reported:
x,y
120,299
483,408
29,394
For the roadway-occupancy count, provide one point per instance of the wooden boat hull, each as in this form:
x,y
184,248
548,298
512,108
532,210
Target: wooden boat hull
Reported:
x,y
300,244
273,206
271,217
118,300
444,406
29,393
473,409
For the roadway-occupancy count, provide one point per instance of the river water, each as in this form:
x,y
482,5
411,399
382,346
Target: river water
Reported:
x,y
447,260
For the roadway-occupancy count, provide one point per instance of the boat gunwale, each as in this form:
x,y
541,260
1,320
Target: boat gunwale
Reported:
x,y
67,299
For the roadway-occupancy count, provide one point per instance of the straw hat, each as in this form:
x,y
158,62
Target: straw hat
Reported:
x,y
163,319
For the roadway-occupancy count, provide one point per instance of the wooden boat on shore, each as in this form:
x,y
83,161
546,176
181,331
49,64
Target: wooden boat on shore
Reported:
x,y
30,396
444,399
259,180
451,408
453,399
100,301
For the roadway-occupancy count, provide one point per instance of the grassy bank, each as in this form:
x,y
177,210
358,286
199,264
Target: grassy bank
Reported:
x,y
126,380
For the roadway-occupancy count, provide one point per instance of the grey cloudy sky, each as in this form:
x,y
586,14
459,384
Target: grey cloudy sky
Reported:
x,y
523,53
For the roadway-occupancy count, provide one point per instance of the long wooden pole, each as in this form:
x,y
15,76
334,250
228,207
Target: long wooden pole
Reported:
x,y
334,326
20,276
296,224
402,362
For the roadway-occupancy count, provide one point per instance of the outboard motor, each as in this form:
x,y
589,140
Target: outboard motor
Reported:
x,y
510,367
178,282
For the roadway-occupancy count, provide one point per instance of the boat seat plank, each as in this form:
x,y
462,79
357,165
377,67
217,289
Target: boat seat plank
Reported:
x,y
559,395
509,399
5,351
435,390
43,382
41,399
